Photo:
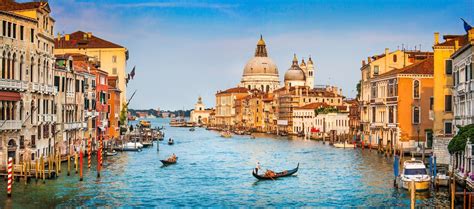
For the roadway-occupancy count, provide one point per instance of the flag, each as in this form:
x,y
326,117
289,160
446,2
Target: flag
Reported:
x,y
127,79
467,27
132,74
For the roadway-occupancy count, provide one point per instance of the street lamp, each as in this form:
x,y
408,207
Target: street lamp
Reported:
x,y
418,130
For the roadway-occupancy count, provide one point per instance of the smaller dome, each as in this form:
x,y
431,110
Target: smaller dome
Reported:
x,y
295,73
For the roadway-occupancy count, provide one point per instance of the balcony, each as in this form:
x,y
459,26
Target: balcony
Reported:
x,y
49,89
35,87
376,125
70,94
10,125
461,88
16,85
73,125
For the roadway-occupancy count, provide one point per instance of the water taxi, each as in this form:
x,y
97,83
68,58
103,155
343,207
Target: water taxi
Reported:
x,y
415,170
145,123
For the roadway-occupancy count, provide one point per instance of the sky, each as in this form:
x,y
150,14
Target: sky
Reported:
x,y
186,49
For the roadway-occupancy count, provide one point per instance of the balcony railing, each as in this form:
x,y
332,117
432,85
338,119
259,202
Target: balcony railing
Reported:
x,y
73,125
13,85
70,94
10,125
35,87
461,87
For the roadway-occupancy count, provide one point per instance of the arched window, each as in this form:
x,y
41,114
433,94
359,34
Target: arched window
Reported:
x,y
13,66
7,76
416,115
4,64
31,69
249,87
38,74
416,89
268,88
394,58
22,62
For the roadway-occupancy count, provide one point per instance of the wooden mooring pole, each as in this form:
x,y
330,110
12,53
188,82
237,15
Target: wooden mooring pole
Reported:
x,y
412,195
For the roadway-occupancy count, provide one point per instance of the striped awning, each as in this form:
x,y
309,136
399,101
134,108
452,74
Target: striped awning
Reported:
x,y
9,96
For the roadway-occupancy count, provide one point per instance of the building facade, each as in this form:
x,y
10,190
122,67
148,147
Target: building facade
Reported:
x,y
26,89
200,115
112,57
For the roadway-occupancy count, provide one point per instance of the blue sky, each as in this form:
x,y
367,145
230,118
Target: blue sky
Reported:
x,y
186,49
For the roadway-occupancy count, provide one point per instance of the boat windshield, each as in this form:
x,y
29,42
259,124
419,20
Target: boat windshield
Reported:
x,y
415,171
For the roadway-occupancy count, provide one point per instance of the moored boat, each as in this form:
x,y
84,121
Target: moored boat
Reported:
x,y
226,134
111,153
192,129
170,141
343,145
284,173
171,160
415,170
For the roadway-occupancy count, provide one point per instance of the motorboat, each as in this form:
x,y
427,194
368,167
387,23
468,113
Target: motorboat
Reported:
x,y
132,146
171,141
343,145
192,129
415,170
110,153
442,179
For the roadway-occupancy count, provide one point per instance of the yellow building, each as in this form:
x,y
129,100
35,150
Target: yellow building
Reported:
x,y
225,106
112,57
442,111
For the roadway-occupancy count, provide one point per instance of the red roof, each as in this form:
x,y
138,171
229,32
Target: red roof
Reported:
x,y
313,106
422,67
81,39
10,5
235,90
451,40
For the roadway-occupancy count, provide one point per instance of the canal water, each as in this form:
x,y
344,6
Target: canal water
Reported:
x,y
216,172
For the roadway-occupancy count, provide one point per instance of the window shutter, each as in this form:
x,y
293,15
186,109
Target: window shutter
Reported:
x,y
449,67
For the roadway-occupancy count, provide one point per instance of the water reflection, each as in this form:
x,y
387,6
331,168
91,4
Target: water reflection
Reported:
x,y
214,171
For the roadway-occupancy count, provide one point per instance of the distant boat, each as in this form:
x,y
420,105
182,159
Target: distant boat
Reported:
x,y
226,134
343,145
277,175
111,153
171,141
192,129
169,161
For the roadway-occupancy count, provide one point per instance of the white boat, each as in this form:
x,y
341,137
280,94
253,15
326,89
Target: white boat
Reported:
x,y
132,145
112,153
343,145
415,170
226,134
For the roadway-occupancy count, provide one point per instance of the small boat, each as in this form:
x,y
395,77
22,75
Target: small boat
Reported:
x,y
170,142
111,153
192,129
226,134
277,175
343,145
442,179
252,136
147,143
415,170
169,161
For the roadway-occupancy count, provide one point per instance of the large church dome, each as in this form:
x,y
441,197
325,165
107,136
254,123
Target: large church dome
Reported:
x,y
260,72
260,66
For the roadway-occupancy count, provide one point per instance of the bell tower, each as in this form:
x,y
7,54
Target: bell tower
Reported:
x,y
310,73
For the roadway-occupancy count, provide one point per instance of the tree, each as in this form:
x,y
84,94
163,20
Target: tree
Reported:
x,y
123,114
458,143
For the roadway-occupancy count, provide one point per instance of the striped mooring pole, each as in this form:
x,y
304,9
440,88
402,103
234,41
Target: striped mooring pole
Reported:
x,y
10,177
89,152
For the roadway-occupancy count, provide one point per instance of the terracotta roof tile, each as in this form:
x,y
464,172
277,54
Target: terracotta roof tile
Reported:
x,y
422,67
10,5
450,40
78,40
235,90
315,105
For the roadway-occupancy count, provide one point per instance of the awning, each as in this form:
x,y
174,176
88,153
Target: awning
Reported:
x,y
10,96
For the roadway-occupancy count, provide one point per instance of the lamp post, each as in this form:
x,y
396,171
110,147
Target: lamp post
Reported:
x,y
418,131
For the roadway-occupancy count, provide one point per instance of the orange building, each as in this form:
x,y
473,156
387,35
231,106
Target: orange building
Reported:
x,y
114,107
400,105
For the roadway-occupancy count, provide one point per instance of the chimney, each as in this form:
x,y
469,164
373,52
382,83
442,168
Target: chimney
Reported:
x,y
470,35
436,38
386,51
66,37
89,34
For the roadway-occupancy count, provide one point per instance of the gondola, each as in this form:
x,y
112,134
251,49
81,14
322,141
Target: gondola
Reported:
x,y
277,175
167,162
171,142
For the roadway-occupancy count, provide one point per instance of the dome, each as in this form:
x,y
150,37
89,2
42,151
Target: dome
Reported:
x,y
295,73
260,66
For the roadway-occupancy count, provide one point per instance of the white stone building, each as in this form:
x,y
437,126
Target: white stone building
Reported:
x,y
463,79
200,114
26,76
327,122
